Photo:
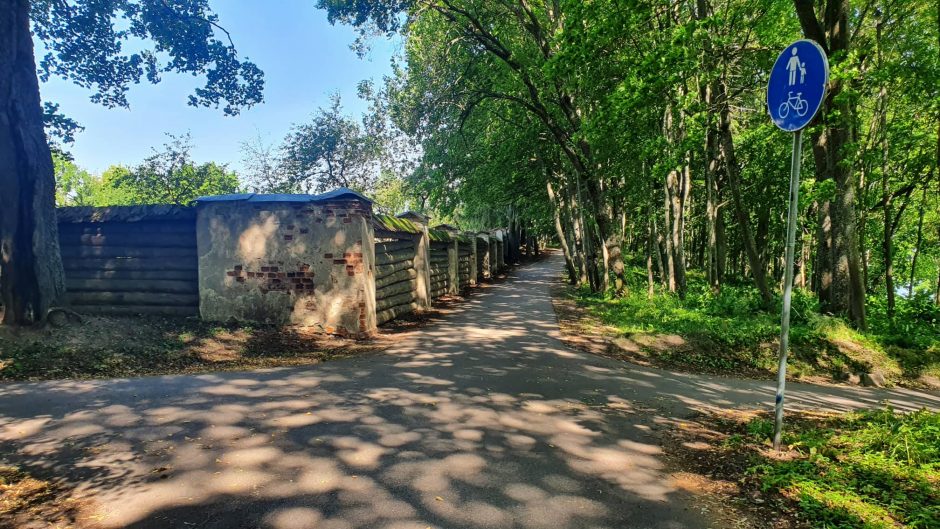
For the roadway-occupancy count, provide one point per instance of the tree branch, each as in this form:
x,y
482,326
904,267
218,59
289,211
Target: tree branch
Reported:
x,y
812,29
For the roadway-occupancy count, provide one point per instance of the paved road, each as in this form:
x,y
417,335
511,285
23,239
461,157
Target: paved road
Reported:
x,y
484,420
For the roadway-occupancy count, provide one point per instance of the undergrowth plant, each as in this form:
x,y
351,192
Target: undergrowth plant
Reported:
x,y
873,469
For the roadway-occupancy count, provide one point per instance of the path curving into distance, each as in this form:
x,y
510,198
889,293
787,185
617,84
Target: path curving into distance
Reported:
x,y
482,420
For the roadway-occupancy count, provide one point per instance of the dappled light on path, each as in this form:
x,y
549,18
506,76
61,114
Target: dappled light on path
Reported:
x,y
483,420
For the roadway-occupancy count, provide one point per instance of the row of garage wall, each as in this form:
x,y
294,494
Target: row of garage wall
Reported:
x,y
134,259
326,261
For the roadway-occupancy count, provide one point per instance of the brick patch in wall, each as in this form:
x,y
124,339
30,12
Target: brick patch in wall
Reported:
x,y
271,278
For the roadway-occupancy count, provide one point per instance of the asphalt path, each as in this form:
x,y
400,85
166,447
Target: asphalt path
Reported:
x,y
481,420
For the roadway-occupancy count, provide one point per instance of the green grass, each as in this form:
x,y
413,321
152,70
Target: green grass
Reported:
x,y
730,331
874,469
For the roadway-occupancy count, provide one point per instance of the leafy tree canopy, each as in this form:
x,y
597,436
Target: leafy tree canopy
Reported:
x,y
108,46
169,176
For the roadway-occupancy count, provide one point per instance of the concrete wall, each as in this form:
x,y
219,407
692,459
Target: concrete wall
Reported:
x,y
500,251
423,269
397,280
453,267
440,267
302,263
130,259
280,259
483,256
474,259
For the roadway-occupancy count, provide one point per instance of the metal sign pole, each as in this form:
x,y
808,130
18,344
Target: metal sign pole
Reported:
x,y
788,283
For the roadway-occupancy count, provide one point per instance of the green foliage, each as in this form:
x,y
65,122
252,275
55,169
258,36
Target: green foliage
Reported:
x,y
109,191
604,99
329,151
59,128
729,331
916,321
875,469
390,194
169,176
87,42
332,150
73,184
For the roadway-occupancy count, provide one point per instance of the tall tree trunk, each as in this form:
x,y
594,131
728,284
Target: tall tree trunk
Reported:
x,y
677,193
936,294
658,251
919,240
560,231
830,150
605,260
711,210
571,228
823,268
762,234
707,93
887,253
31,275
668,192
887,244
650,242
804,259
732,169
611,239
587,238
721,246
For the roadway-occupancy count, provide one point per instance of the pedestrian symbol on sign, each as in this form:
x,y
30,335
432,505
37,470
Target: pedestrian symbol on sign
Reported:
x,y
795,66
797,85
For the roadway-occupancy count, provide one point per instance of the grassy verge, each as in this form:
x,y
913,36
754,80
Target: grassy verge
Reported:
x,y
101,347
874,469
729,332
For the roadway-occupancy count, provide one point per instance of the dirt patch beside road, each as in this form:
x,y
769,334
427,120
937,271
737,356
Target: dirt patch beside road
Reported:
x,y
107,347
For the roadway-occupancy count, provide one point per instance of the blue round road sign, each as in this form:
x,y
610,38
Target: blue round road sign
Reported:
x,y
797,85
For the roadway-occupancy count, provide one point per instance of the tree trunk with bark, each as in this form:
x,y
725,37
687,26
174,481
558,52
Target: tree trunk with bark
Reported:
x,y
670,277
732,169
650,242
918,241
31,275
847,295
711,210
560,231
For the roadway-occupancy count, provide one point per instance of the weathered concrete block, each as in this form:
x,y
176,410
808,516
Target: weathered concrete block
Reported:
x,y
305,263
500,250
422,260
453,267
473,258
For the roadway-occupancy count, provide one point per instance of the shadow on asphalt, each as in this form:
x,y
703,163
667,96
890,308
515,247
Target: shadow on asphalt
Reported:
x,y
484,420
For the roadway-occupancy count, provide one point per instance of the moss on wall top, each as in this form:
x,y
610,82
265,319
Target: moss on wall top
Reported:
x,y
390,223
439,235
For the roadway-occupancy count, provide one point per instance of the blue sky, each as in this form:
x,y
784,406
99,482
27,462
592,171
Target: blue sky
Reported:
x,y
304,59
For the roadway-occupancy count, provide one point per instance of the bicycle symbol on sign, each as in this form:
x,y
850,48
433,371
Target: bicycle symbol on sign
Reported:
x,y
797,103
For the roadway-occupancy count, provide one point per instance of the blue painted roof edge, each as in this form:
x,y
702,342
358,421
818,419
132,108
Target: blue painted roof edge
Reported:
x,y
341,193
